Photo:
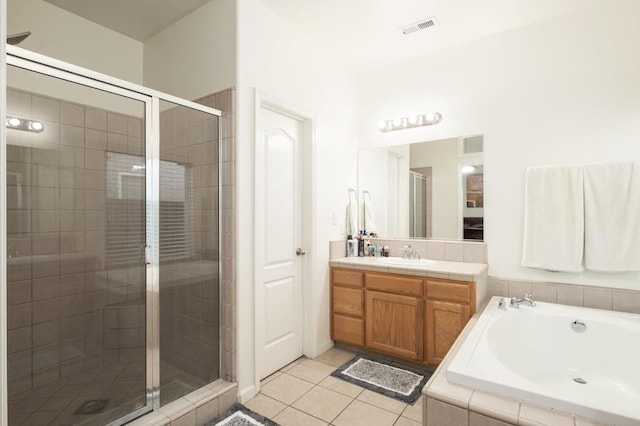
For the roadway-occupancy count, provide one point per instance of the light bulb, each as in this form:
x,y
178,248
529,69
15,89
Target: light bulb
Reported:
x,y
468,169
14,122
413,120
431,117
382,125
397,122
36,125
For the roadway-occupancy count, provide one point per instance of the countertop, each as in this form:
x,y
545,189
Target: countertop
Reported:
x,y
462,271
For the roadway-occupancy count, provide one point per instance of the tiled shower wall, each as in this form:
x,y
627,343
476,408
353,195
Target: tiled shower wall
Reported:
x,y
225,102
57,280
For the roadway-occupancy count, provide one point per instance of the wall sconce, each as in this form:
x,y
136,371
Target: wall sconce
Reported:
x,y
410,121
24,124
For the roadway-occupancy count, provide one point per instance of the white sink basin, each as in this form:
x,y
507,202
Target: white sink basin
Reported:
x,y
405,262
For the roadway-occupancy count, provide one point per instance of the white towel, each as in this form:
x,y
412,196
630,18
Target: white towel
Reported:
x,y
612,221
352,213
369,216
554,219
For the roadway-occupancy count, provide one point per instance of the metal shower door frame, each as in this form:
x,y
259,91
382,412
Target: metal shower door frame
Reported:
x,y
41,64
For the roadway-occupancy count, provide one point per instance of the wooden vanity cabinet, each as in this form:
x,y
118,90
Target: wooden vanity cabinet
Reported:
x,y
394,314
411,317
449,305
347,306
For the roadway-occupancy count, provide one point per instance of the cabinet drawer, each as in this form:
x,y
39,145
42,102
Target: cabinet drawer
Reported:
x,y
348,301
346,278
444,290
394,284
348,330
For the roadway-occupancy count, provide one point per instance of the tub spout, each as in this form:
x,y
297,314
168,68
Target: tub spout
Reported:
x,y
528,300
502,304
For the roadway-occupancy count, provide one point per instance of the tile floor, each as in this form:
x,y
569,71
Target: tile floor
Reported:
x,y
303,393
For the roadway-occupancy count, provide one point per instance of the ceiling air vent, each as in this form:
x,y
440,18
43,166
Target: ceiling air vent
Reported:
x,y
420,25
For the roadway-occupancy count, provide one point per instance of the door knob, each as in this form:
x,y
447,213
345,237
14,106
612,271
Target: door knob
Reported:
x,y
300,252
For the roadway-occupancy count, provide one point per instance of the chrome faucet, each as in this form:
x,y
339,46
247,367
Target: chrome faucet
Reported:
x,y
410,253
528,301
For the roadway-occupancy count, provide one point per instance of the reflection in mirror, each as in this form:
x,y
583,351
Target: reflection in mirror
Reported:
x,y
429,189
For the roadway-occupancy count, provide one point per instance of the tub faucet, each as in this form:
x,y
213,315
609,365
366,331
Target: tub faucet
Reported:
x,y
528,300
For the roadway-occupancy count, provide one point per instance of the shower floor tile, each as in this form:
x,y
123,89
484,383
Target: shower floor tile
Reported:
x,y
121,385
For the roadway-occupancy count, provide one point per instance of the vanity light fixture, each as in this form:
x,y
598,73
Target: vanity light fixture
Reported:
x,y
24,124
417,120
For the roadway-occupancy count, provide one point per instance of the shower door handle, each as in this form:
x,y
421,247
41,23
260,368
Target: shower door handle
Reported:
x,y
144,255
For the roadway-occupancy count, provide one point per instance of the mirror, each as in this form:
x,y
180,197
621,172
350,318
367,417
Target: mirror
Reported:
x,y
431,189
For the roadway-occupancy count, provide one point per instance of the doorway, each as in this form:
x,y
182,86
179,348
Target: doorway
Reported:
x,y
282,197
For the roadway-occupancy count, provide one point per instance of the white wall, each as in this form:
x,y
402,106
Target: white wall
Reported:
x,y
279,61
70,38
564,91
195,56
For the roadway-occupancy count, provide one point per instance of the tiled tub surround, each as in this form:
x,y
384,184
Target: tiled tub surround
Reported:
x,y
622,300
446,403
449,250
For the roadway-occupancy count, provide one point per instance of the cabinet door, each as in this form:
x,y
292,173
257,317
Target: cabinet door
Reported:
x,y
443,324
394,324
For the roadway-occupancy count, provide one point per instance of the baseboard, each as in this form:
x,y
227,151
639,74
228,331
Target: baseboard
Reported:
x,y
246,394
322,348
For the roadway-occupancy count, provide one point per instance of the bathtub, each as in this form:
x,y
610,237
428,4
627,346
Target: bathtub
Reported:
x,y
538,355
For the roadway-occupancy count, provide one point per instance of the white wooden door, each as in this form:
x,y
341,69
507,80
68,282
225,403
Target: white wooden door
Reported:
x,y
278,237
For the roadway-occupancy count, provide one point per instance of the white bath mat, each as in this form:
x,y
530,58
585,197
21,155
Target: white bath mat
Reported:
x,y
384,377
239,415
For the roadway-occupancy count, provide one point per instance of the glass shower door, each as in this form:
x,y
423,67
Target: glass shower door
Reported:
x,y
76,274
418,205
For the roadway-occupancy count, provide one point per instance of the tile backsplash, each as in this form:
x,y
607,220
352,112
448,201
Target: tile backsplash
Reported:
x,y
449,250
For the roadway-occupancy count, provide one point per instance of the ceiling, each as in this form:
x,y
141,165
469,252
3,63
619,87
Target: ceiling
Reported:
x,y
367,32
138,19
364,33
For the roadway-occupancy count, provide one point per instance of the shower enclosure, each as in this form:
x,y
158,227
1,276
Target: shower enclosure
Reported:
x,y
112,277
418,205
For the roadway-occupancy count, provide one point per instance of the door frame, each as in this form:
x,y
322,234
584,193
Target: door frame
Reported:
x,y
307,148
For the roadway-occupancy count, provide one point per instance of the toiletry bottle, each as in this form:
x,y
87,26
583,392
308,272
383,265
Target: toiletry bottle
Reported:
x,y
361,245
352,249
367,245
